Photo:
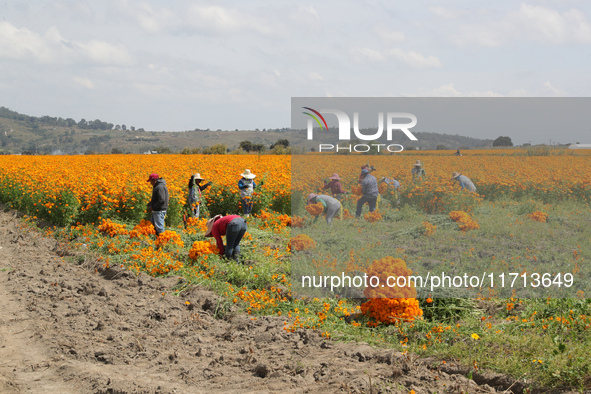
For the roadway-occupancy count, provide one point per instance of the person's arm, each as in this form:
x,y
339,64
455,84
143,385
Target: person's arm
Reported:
x,y
215,231
241,185
327,185
339,188
208,184
151,202
320,200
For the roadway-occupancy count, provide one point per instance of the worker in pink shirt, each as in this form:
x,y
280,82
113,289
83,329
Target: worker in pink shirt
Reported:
x,y
335,186
233,227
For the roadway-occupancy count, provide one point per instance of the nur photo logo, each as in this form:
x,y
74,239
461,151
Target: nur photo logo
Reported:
x,y
344,130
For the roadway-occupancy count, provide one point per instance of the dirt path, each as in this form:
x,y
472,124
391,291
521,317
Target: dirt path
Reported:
x,y
77,328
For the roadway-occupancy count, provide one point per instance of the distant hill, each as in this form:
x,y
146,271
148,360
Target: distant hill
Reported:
x,y
53,135
426,141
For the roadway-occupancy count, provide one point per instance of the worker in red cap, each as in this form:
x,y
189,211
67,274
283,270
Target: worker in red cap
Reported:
x,y
159,203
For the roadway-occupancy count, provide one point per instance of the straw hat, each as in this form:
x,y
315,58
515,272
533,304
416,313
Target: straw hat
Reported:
x,y
418,163
248,175
335,176
210,223
197,176
311,196
455,175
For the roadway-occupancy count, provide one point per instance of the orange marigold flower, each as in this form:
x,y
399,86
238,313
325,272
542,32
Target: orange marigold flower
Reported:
x,y
111,228
539,216
373,216
201,248
315,209
169,237
429,229
389,304
464,221
302,242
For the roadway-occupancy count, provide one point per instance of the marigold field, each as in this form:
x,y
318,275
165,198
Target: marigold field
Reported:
x,y
530,215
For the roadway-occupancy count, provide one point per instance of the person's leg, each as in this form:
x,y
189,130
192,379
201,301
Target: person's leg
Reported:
x,y
360,203
331,211
232,232
158,221
372,203
241,231
243,202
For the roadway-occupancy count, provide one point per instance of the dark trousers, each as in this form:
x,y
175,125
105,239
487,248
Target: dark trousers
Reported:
x,y
246,205
366,199
234,233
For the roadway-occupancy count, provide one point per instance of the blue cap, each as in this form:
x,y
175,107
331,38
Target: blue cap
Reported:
x,y
365,171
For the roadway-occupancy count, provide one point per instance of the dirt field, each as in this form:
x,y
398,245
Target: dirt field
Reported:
x,y
70,327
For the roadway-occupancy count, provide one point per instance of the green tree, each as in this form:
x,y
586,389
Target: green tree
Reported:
x,y
163,149
218,149
503,141
246,146
282,142
259,148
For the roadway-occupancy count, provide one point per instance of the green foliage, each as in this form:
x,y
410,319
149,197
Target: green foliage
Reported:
x,y
433,201
218,149
246,146
502,141
538,151
174,214
222,201
190,151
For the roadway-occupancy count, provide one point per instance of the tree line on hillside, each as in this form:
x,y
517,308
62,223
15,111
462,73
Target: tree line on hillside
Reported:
x,y
96,124
280,147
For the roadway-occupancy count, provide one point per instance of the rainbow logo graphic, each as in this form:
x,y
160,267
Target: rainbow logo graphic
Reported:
x,y
315,118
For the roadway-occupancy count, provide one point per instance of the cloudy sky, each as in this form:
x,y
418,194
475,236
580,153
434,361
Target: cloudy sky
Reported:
x,y
183,65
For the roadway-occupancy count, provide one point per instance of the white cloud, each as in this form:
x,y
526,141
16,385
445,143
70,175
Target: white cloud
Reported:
x,y
389,36
209,19
410,58
444,12
415,59
314,76
550,90
550,25
52,48
153,21
305,16
363,55
528,23
87,83
104,53
21,43
224,20
449,90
